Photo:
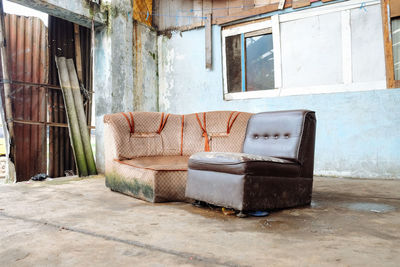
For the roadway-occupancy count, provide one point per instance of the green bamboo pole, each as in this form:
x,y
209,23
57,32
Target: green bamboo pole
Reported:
x,y
76,93
74,131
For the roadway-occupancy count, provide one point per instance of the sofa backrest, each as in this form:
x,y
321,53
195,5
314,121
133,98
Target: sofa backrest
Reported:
x,y
137,134
283,134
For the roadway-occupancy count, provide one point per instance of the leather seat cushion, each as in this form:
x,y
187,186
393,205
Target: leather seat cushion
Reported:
x,y
242,163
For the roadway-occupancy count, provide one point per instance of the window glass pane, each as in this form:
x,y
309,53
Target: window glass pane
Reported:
x,y
233,63
396,47
259,63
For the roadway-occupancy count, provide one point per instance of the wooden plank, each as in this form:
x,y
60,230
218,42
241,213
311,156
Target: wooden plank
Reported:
x,y
208,39
207,7
220,8
198,11
300,3
82,121
281,4
245,23
186,14
252,12
390,83
235,6
207,11
248,4
74,131
78,55
258,3
394,8
156,10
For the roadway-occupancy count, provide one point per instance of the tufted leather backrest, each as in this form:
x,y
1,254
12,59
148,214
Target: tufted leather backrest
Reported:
x,y
283,134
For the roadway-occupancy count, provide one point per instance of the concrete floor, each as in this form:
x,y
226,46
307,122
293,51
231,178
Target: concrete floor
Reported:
x,y
75,222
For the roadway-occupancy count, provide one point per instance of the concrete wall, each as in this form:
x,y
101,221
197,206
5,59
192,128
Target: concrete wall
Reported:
x,y
125,69
145,68
113,71
358,133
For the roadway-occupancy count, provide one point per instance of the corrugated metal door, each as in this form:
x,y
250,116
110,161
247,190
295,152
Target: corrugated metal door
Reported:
x,y
37,100
27,47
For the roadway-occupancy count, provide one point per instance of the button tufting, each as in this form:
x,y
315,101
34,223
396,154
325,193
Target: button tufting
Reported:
x,y
266,136
255,136
276,136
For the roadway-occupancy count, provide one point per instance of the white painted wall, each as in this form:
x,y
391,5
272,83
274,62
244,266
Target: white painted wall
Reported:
x,y
312,51
367,51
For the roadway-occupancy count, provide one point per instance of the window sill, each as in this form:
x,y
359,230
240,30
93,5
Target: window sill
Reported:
x,y
323,89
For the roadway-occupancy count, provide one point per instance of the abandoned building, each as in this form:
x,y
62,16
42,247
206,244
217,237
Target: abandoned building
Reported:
x,y
200,132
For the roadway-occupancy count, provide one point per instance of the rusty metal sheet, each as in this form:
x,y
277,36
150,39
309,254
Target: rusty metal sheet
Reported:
x,y
32,48
28,62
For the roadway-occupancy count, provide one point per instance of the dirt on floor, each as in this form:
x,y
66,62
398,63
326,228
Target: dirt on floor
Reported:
x,y
80,222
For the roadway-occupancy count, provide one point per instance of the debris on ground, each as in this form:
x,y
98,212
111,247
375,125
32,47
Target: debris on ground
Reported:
x,y
227,211
258,213
69,173
39,177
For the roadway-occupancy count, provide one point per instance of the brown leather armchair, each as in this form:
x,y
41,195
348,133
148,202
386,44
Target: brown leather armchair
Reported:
x,y
274,171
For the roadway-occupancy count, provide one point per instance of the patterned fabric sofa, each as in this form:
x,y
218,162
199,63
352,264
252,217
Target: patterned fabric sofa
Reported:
x,y
147,153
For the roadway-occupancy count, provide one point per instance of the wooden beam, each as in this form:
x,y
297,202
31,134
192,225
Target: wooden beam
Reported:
x,y
198,11
78,55
74,131
251,12
394,8
387,37
208,39
80,111
300,3
281,4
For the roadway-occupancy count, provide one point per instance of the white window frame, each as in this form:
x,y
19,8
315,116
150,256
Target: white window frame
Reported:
x,y
272,24
347,85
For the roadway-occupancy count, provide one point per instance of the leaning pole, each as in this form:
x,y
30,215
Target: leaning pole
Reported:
x,y
76,93
73,124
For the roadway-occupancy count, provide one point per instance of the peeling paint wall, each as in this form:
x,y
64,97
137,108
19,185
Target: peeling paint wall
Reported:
x,y
114,78
145,68
358,133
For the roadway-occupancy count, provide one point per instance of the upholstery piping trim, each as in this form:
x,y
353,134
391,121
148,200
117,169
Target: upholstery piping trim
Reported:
x,y
131,122
204,128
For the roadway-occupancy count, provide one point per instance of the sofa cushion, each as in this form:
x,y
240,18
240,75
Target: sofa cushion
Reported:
x,y
159,163
147,183
241,163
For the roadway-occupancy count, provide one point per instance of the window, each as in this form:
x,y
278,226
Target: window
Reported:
x,y
396,47
250,58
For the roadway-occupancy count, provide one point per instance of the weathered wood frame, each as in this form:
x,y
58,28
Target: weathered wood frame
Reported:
x,y
244,28
386,6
